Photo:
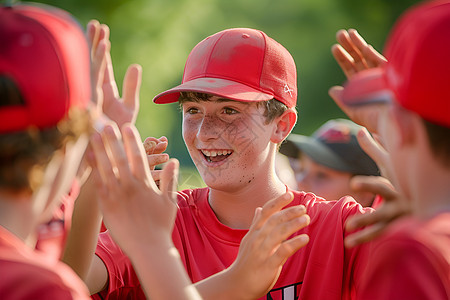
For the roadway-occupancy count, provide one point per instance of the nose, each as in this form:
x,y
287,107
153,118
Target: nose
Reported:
x,y
209,129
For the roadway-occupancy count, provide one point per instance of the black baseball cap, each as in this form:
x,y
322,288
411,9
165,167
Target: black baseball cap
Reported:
x,y
333,145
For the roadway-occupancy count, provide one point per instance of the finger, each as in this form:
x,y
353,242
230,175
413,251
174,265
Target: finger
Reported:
x,y
364,235
344,60
135,153
371,147
101,31
257,214
131,87
149,145
92,33
97,72
169,180
101,189
119,156
347,43
380,216
153,145
335,93
104,166
271,207
157,159
375,58
156,175
285,227
375,185
288,248
372,57
374,148
109,83
160,147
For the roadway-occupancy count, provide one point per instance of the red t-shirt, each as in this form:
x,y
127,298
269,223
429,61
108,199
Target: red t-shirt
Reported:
x,y
324,269
411,261
27,274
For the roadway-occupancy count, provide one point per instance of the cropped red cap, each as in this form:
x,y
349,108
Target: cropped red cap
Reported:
x,y
239,64
417,74
44,52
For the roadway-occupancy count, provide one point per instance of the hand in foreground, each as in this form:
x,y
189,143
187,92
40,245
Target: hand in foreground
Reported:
x,y
135,211
262,253
392,207
140,216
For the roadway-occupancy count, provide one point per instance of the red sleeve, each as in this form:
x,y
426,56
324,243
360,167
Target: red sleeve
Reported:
x,y
122,279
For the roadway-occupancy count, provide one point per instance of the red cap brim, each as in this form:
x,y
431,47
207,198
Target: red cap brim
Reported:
x,y
367,87
220,87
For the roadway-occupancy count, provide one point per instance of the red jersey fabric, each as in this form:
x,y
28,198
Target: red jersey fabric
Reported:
x,y
27,274
324,269
411,261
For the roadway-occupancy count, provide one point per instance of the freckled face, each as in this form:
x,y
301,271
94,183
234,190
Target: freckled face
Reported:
x,y
227,140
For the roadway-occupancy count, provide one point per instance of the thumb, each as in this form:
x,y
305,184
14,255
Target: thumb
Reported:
x,y
169,180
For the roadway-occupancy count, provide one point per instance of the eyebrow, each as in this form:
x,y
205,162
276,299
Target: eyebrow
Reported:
x,y
219,100
222,100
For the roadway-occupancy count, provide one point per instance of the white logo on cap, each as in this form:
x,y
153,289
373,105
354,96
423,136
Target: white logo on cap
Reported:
x,y
288,90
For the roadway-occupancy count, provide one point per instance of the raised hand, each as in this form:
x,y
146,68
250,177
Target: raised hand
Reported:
x,y
120,110
262,253
353,54
129,199
154,148
140,217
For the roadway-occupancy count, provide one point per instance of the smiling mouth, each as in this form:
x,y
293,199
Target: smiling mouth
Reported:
x,y
216,155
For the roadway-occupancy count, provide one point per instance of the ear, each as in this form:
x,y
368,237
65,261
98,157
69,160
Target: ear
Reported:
x,y
284,125
407,125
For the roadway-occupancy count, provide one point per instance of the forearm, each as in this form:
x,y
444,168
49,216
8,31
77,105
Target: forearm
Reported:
x,y
82,239
219,286
161,272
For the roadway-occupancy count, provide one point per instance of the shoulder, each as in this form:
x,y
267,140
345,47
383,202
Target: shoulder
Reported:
x,y
321,208
424,240
55,281
192,197
427,244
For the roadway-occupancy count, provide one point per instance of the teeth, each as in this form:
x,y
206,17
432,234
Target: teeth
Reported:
x,y
214,153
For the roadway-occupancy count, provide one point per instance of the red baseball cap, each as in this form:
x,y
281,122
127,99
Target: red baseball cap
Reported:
x,y
240,64
44,52
417,74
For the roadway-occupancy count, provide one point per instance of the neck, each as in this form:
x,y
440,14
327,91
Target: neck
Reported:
x,y
430,192
16,214
236,209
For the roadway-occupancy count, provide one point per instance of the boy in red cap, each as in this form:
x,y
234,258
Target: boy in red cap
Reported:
x,y
407,101
238,98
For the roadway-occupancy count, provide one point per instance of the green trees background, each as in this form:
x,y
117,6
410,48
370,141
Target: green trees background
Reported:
x,y
159,34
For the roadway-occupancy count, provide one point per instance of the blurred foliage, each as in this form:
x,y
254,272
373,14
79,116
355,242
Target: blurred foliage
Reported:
x,y
159,34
